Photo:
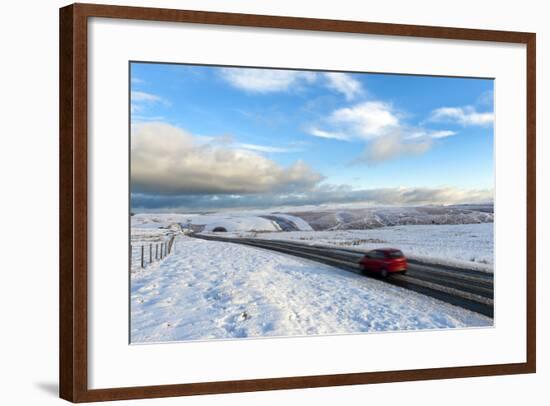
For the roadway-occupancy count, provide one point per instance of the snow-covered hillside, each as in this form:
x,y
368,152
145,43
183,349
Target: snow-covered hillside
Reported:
x,y
376,217
214,290
324,218
230,221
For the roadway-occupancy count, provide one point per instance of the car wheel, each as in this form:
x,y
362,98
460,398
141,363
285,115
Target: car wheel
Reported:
x,y
384,273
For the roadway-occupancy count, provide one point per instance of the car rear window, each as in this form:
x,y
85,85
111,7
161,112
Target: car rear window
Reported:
x,y
395,254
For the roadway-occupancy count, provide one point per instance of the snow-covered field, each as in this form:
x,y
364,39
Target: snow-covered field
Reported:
x,y
215,290
465,245
231,221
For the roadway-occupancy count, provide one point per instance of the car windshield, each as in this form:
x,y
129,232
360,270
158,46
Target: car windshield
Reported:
x,y
394,254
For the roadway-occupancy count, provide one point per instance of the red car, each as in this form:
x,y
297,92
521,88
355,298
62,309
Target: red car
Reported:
x,y
384,261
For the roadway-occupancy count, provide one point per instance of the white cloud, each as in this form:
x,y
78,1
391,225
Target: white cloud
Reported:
x,y
274,80
317,132
401,195
486,98
264,148
432,134
147,118
441,134
144,97
392,146
365,120
139,101
379,125
344,83
167,160
466,116
424,195
266,80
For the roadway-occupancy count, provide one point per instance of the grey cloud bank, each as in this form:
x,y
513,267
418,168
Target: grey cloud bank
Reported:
x,y
318,196
167,160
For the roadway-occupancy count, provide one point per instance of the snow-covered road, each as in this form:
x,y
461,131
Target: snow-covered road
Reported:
x,y
216,290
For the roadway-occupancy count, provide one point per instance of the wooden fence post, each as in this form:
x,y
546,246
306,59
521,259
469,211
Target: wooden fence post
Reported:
x,y
171,244
156,251
142,256
150,253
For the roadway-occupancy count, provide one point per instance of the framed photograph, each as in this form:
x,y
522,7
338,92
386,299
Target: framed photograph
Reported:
x,y
255,202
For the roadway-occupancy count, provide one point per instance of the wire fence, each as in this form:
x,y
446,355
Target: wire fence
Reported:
x,y
146,254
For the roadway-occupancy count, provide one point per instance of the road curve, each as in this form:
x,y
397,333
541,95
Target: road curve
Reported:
x,y
469,289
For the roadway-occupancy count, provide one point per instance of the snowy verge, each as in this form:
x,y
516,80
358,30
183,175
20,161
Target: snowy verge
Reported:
x,y
215,290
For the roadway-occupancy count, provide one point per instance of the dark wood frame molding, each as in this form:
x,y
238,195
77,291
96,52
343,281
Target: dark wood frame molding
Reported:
x,y
73,362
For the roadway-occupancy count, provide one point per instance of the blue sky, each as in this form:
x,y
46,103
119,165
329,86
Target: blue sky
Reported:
x,y
218,137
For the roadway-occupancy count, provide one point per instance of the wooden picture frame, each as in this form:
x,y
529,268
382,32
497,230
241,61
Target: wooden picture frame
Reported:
x,y
73,175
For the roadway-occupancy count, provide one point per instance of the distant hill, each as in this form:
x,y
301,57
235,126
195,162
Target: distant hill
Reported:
x,y
375,217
